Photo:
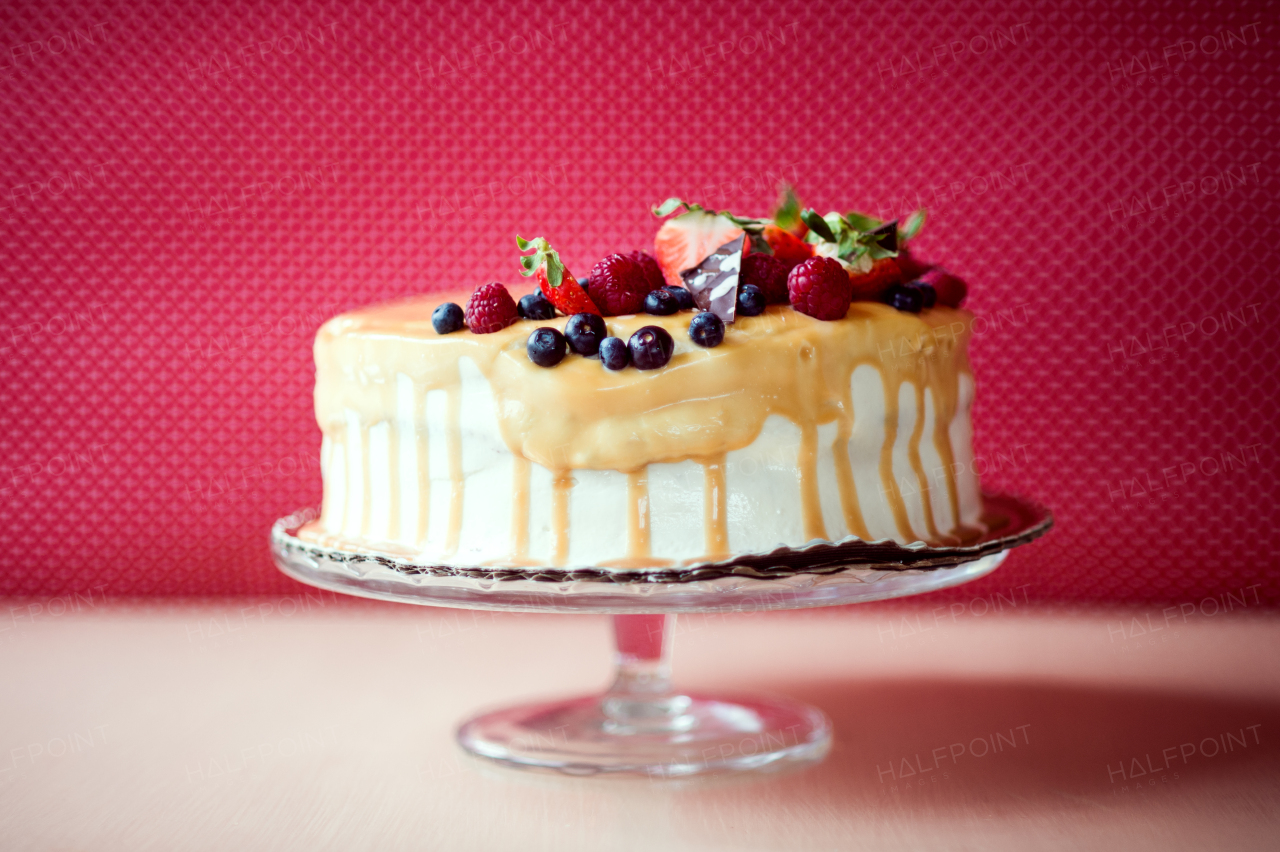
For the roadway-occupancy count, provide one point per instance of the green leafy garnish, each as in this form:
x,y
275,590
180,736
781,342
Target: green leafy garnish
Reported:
x,y
543,253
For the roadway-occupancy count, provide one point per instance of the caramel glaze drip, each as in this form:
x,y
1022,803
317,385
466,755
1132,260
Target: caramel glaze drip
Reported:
x,y
702,405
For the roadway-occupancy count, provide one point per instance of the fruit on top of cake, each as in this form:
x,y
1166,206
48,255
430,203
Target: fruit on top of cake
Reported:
x,y
661,302
706,329
926,290
536,306
614,353
750,301
950,289
769,274
584,332
820,288
447,318
714,282
905,297
787,247
651,347
856,240
490,309
685,240
546,347
652,272
683,297
871,285
618,285
554,280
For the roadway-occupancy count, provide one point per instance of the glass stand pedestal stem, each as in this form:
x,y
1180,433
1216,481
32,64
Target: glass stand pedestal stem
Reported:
x,y
643,726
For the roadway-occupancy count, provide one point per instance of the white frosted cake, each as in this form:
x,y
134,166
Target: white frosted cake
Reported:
x,y
469,449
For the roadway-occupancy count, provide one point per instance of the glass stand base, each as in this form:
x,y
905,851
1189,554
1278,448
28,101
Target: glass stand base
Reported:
x,y
672,737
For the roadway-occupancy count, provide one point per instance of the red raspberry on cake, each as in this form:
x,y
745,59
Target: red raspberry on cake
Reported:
x,y
769,274
490,309
554,280
950,289
820,288
652,272
618,285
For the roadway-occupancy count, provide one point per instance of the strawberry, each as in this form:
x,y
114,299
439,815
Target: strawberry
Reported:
x,y
787,247
686,240
870,285
555,281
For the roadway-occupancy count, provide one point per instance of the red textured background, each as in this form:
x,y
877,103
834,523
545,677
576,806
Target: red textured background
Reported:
x,y
157,316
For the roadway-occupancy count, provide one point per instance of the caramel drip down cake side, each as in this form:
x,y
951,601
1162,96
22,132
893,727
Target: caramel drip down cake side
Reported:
x,y
456,448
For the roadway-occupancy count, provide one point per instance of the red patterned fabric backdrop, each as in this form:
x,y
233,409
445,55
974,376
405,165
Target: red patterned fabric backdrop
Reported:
x,y
189,189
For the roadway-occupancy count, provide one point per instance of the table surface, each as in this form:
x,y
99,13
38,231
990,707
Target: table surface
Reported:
x,y
313,723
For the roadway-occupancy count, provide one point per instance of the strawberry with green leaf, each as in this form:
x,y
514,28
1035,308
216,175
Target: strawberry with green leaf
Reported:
x,y
555,281
867,247
785,235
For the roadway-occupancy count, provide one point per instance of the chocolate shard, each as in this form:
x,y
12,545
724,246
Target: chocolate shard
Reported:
x,y
888,233
714,282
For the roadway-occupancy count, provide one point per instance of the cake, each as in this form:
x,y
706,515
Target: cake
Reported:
x,y
815,394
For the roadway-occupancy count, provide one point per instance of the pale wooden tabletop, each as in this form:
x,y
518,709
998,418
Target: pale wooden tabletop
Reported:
x,y
296,723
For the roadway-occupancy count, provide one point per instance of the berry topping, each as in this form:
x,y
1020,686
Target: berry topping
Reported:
x,y
447,318
546,347
750,301
951,290
706,329
536,306
820,288
768,274
490,309
871,285
584,333
685,240
652,272
617,285
927,292
905,297
614,353
789,249
683,297
662,302
650,347
555,282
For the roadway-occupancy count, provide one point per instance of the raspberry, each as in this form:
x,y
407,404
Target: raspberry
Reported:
x,y
490,309
769,274
951,290
617,285
652,272
820,288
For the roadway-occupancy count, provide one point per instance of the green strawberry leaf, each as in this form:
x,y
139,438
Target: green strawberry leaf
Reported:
x,y
860,222
787,214
912,225
817,224
543,255
673,204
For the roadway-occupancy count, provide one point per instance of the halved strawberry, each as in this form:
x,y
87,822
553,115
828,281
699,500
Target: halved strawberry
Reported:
x,y
686,240
555,281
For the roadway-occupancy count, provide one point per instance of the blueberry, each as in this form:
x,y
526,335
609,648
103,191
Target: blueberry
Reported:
x,y
926,290
447,318
706,329
683,297
661,302
905,298
535,306
614,353
546,347
650,347
750,300
582,282
585,331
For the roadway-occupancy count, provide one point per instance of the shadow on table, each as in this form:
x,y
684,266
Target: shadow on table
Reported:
x,y
957,744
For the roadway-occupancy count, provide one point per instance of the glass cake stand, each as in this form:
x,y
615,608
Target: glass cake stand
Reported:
x,y
641,724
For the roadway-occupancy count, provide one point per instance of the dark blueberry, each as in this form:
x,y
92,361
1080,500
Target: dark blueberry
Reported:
x,y
535,306
683,297
546,347
447,318
904,297
585,331
650,348
614,353
583,281
750,300
706,329
926,290
661,302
